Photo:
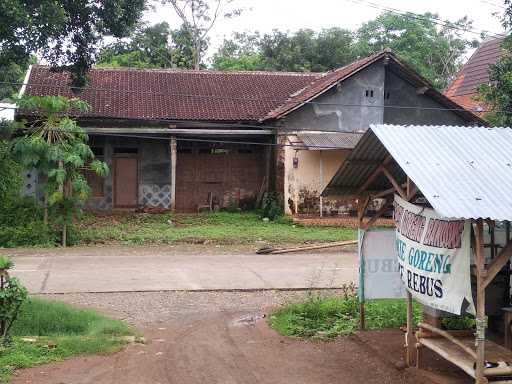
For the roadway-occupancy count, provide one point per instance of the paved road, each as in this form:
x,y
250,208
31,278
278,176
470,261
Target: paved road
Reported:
x,y
166,268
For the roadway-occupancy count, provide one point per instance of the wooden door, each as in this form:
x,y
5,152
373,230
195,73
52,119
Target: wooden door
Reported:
x,y
125,182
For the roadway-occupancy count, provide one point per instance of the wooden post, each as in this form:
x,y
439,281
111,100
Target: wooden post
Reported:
x,y
173,173
362,203
321,184
480,303
409,336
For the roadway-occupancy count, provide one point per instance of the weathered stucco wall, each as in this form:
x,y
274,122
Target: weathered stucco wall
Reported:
x,y
351,107
302,185
154,171
401,93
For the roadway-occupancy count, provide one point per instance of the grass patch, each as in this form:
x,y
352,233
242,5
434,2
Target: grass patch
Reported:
x,y
60,331
337,316
216,228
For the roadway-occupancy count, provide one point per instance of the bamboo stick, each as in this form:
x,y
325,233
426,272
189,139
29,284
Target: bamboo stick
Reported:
x,y
305,248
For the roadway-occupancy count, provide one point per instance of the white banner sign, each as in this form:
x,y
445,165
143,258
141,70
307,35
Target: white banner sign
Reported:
x,y
379,277
433,256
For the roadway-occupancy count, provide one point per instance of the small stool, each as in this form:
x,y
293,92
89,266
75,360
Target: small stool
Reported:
x,y
507,321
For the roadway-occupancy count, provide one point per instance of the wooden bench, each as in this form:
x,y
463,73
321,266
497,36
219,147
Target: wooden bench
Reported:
x,y
460,352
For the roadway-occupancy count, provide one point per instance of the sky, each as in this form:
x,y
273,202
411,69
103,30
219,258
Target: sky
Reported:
x,y
291,15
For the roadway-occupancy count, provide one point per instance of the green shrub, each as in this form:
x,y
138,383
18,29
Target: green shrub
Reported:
x,y
338,316
12,296
16,211
26,235
5,263
232,206
271,207
458,322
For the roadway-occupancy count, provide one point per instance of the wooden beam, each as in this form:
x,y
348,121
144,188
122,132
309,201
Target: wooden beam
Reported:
x,y
386,192
173,150
370,179
377,171
498,263
393,182
412,190
480,303
378,214
362,204
449,337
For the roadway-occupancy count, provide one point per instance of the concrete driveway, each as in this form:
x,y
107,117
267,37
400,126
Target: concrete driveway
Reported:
x,y
169,268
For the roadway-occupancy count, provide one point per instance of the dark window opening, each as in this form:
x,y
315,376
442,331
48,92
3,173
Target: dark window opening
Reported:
x,y
387,95
98,151
368,93
126,150
371,93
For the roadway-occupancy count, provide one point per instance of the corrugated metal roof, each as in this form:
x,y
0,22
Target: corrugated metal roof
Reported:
x,y
464,172
327,140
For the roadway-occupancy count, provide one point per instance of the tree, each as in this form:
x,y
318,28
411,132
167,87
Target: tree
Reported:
x,y
147,48
57,147
497,95
435,51
307,50
304,50
241,52
155,46
66,33
199,17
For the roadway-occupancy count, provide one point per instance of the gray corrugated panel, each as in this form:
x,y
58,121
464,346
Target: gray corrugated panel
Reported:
x,y
464,172
330,140
359,165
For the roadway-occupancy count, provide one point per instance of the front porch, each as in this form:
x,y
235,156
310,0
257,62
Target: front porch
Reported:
x,y
180,173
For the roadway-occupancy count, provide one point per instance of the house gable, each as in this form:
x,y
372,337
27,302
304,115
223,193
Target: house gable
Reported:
x,y
408,104
350,107
356,101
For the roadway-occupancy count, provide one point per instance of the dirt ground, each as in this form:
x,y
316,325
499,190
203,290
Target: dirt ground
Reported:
x,y
215,337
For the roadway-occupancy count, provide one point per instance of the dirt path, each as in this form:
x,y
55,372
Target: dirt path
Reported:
x,y
213,337
218,348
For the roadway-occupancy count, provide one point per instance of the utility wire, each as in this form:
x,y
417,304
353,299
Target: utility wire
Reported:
x,y
242,99
218,141
415,16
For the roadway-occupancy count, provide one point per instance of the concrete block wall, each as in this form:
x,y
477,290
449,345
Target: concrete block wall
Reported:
x,y
154,172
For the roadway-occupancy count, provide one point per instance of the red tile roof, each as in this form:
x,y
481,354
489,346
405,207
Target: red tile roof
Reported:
x,y
175,94
463,89
202,95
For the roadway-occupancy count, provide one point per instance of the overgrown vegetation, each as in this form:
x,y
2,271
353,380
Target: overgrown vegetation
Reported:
x,y
216,228
57,148
338,316
12,297
50,331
